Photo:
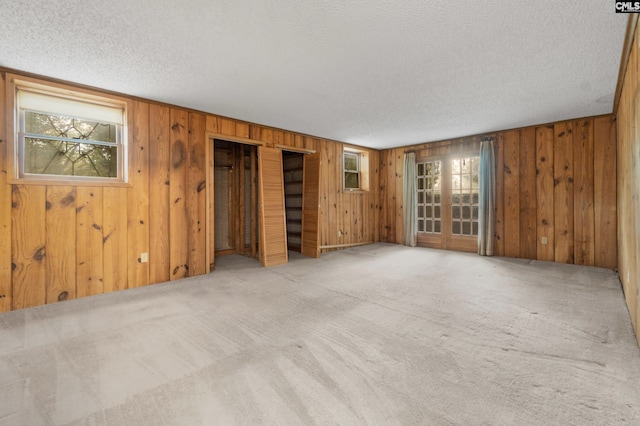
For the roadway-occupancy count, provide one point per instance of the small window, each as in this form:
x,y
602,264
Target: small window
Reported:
x,y
355,167
69,135
351,170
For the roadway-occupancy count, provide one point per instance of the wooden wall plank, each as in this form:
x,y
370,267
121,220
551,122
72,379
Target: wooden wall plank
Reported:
x,y
605,212
563,192
159,162
89,255
528,201
499,147
138,197
399,179
196,195
544,190
227,126
6,293
584,228
28,245
60,241
178,218
114,239
242,130
511,173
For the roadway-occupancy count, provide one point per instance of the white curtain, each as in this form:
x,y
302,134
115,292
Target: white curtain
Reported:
x,y
487,198
409,200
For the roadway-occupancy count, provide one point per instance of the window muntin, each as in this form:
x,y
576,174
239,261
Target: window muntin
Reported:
x,y
464,196
76,139
351,167
430,197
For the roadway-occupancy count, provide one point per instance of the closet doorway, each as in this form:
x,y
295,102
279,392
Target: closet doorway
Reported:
x,y
264,201
235,199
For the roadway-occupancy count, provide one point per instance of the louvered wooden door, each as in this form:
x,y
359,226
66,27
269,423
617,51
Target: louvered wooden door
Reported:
x,y
272,218
310,205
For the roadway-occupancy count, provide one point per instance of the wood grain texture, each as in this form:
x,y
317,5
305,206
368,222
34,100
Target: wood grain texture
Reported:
x,y
273,227
563,192
197,195
90,260
628,186
138,198
511,177
499,238
544,190
178,216
584,228
60,241
159,165
115,239
604,189
28,245
528,201
310,205
6,291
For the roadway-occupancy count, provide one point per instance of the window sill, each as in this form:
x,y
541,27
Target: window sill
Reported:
x,y
355,191
62,182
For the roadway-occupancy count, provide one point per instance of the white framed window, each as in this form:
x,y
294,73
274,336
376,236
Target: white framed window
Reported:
x,y
64,135
355,169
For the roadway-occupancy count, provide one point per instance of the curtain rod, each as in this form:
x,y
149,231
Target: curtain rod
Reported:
x,y
450,143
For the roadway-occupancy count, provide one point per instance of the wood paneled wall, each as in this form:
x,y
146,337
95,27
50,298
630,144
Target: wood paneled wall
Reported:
x,y
62,242
554,181
628,120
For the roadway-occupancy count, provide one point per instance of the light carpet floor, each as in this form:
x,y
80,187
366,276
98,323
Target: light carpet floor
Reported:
x,y
379,334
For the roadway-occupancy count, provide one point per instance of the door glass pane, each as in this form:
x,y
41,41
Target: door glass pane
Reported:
x,y
455,227
428,193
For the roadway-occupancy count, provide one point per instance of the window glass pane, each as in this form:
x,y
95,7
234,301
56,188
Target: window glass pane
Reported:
x,y
474,212
421,211
351,180
436,197
67,127
428,213
420,197
436,226
455,166
427,226
455,182
420,169
466,198
351,162
466,181
466,165
455,198
466,228
466,212
455,212
475,228
436,212
43,156
420,183
429,197
475,198
420,225
455,227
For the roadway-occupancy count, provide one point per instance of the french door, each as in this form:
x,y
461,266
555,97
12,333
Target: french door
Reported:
x,y
448,202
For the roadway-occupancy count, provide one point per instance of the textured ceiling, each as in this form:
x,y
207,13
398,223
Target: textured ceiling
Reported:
x,y
376,73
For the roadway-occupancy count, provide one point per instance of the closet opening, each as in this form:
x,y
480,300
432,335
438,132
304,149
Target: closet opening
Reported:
x,y
235,199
